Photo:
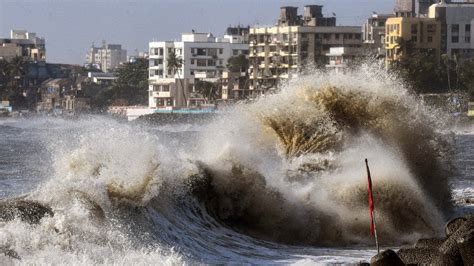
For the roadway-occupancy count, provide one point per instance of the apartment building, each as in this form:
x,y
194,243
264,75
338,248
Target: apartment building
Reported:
x,y
457,20
25,44
107,57
373,33
414,32
280,52
204,57
413,8
342,57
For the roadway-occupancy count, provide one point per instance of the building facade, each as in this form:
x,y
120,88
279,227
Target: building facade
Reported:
x,y
107,57
457,20
24,44
403,33
413,8
204,57
342,57
280,52
373,33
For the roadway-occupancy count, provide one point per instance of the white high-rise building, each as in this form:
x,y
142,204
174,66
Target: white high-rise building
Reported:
x,y
107,57
204,57
457,31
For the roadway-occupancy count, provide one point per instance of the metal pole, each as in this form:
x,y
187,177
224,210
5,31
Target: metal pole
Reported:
x,y
372,209
375,234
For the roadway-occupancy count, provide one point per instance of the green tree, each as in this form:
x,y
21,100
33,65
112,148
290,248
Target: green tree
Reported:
x,y
11,75
175,63
238,63
207,89
130,88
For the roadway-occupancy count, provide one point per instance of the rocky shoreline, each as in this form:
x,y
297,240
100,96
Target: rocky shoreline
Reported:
x,y
457,248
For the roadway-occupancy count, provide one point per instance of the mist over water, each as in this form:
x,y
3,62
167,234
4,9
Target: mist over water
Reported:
x,y
275,180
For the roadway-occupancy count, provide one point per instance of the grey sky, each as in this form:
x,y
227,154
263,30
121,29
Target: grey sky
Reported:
x,y
70,26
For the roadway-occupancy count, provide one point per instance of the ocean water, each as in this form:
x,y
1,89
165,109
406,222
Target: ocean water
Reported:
x,y
279,180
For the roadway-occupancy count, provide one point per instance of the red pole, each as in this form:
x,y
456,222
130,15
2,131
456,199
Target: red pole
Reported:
x,y
373,225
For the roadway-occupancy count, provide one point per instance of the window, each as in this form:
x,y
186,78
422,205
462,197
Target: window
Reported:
x,y
192,61
430,38
337,36
193,51
220,62
211,62
170,50
201,51
201,62
455,39
467,39
165,88
358,36
414,29
414,38
221,51
431,28
159,62
468,28
235,52
455,28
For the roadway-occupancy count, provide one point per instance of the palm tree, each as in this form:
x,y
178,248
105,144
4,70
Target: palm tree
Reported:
x,y
175,63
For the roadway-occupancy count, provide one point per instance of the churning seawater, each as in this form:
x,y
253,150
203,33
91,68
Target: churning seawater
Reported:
x,y
278,180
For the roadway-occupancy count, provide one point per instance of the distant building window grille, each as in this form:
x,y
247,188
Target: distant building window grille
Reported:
x,y
468,29
467,39
430,38
455,39
455,28
201,62
431,28
201,51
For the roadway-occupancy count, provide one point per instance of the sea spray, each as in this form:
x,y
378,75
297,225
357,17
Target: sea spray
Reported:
x,y
287,168
327,124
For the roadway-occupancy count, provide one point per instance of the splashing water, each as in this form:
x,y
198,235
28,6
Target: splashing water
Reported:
x,y
285,169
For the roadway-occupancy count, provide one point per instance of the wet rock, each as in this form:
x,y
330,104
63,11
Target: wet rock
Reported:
x,y
429,243
418,255
28,211
453,225
449,250
386,258
466,248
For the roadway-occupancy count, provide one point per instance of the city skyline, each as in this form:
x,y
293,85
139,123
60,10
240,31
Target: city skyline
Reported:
x,y
69,35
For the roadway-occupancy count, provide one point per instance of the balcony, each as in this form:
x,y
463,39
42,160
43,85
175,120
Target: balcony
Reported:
x,y
161,94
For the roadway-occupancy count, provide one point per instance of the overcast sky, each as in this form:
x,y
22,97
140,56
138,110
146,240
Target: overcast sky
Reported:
x,y
71,26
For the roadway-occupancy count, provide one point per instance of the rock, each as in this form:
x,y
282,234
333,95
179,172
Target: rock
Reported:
x,y
466,248
386,258
429,243
28,211
449,250
453,225
418,255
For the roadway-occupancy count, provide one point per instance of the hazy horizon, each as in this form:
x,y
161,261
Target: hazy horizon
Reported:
x,y
70,27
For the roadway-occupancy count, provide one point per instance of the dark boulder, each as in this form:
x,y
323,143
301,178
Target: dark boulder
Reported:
x,y
429,243
466,247
386,258
28,211
418,255
449,250
453,225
